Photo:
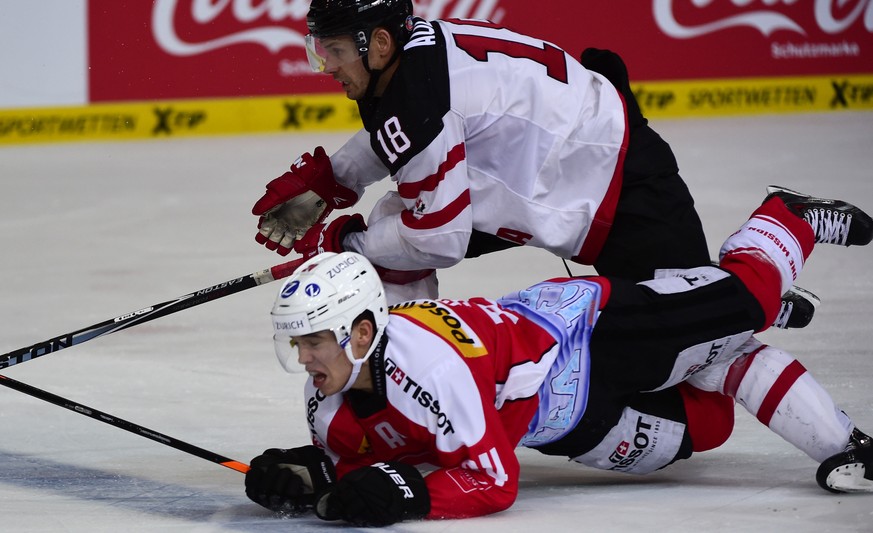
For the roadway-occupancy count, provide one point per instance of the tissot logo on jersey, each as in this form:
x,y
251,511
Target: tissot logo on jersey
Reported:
x,y
397,376
417,392
311,407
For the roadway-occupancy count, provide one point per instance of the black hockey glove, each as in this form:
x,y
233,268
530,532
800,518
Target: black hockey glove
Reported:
x,y
288,481
377,495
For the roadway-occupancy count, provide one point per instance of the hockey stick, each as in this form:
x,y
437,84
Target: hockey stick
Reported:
x,y
149,313
123,424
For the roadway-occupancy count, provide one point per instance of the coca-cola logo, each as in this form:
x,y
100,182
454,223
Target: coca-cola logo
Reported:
x,y
273,36
831,16
273,20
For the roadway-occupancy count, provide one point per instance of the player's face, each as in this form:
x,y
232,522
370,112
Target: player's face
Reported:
x,y
324,360
339,57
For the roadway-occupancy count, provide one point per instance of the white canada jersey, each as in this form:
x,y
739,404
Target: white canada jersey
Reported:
x,y
489,130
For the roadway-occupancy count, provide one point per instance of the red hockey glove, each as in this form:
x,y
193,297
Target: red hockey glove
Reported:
x,y
289,481
298,199
377,495
329,237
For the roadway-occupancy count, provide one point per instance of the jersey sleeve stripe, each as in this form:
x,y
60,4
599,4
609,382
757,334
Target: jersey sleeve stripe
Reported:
x,y
437,218
410,191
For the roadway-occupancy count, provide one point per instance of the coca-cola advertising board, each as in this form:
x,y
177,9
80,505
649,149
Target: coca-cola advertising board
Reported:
x,y
167,68
176,49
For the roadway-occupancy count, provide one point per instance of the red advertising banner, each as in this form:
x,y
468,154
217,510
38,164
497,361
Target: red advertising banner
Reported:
x,y
166,49
700,39
179,49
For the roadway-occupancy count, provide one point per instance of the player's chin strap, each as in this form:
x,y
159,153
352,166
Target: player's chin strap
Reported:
x,y
356,369
368,103
357,364
375,74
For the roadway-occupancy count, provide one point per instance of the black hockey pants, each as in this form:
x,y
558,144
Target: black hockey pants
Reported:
x,y
635,343
655,225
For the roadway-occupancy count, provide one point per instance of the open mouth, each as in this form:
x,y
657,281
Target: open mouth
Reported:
x,y
317,378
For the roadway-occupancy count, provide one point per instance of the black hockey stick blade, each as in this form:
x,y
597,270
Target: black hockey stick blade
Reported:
x,y
147,314
123,424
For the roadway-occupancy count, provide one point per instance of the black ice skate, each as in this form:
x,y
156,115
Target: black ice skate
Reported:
x,y
851,470
798,306
834,221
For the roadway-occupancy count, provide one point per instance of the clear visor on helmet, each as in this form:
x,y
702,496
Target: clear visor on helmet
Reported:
x,y
326,54
288,349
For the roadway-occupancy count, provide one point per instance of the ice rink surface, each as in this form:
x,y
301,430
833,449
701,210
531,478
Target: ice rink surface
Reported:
x,y
93,231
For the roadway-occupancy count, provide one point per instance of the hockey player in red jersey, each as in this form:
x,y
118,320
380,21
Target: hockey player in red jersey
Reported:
x,y
593,368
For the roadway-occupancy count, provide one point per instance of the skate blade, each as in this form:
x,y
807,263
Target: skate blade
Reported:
x,y
850,478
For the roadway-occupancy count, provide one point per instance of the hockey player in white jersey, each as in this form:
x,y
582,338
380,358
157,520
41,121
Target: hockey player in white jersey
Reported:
x,y
593,368
495,139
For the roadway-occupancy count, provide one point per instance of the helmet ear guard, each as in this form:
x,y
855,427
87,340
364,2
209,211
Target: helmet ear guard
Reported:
x,y
328,293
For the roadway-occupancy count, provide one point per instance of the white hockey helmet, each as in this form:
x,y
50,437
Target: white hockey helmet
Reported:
x,y
327,293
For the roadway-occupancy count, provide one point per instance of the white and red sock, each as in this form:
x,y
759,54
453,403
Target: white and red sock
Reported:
x,y
773,385
768,252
